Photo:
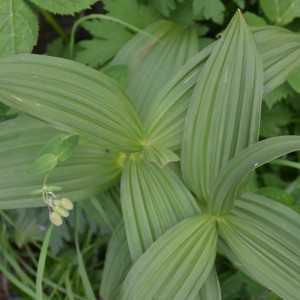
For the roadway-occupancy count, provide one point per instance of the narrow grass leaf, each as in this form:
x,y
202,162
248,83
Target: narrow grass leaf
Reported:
x,y
71,97
263,253
228,184
153,58
177,264
153,200
82,271
224,113
89,170
41,264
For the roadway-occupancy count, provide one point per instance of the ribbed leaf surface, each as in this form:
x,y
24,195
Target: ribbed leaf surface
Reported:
x,y
228,184
117,264
89,170
177,264
264,253
153,200
153,57
224,113
279,50
71,97
211,288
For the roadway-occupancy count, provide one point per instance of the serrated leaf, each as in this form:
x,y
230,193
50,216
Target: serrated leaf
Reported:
x,y
71,97
43,164
18,29
224,113
153,200
227,185
209,9
131,11
275,120
89,170
281,12
264,254
64,7
153,57
177,264
165,6
109,38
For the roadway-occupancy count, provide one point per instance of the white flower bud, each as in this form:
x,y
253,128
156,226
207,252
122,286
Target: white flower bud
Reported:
x,y
55,218
63,212
66,203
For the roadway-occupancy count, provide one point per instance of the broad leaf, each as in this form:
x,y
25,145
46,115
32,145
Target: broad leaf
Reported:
x,y
64,7
224,113
43,164
281,12
263,252
89,170
211,288
153,57
280,52
229,182
71,97
177,264
153,200
19,28
209,9
117,264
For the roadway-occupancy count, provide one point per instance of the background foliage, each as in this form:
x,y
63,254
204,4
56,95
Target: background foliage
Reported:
x,y
128,191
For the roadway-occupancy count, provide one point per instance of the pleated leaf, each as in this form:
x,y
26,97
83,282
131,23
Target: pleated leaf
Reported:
x,y
229,182
280,51
71,97
224,113
153,200
117,264
177,264
89,170
211,288
153,57
263,252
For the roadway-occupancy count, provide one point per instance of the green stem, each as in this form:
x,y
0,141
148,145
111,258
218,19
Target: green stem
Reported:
x,y
49,17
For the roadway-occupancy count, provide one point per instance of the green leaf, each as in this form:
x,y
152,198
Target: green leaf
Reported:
x,y
64,7
165,6
153,200
167,44
211,288
131,11
224,113
89,170
71,97
281,12
209,9
280,50
108,40
159,155
19,28
43,164
254,20
62,146
294,81
117,264
177,264
229,182
264,253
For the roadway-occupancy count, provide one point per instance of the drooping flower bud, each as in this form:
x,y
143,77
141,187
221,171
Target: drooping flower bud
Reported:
x,y
66,203
55,218
61,211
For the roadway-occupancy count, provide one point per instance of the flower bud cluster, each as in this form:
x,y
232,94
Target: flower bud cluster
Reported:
x,y
60,208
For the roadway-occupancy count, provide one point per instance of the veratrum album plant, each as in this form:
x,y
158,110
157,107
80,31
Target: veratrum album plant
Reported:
x,y
182,149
